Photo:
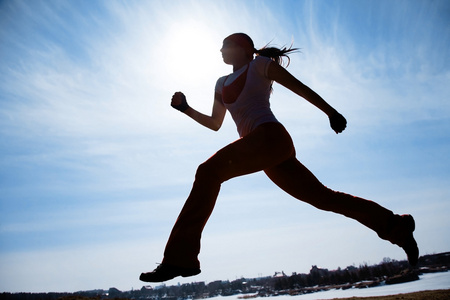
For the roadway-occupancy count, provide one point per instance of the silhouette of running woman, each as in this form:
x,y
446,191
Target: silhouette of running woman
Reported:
x,y
264,145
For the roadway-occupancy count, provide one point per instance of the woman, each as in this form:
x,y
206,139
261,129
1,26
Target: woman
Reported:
x,y
265,145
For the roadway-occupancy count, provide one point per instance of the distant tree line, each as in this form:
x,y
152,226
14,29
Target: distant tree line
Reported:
x,y
265,286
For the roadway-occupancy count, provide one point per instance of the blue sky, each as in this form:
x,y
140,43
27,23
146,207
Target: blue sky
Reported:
x,y
95,164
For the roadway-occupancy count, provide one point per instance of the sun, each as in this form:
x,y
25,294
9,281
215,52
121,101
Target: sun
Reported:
x,y
192,51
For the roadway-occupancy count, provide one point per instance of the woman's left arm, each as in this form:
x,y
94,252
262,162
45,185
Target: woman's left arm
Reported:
x,y
282,76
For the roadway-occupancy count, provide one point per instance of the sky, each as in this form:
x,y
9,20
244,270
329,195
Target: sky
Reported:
x,y
95,165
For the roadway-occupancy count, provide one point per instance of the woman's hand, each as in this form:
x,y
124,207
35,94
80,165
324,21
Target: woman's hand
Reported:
x,y
337,122
179,102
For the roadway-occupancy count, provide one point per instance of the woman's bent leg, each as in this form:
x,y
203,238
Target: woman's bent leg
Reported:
x,y
266,146
294,178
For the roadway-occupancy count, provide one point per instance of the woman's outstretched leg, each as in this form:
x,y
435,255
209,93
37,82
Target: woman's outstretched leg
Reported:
x,y
294,178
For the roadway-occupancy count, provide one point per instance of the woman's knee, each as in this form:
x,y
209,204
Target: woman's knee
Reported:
x,y
208,171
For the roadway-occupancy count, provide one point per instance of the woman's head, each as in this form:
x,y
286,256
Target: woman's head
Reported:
x,y
245,44
237,50
242,40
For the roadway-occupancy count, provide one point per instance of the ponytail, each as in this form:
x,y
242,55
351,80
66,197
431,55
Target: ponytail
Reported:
x,y
276,54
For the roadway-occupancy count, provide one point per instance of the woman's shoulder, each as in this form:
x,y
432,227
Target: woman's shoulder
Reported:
x,y
222,79
261,64
219,84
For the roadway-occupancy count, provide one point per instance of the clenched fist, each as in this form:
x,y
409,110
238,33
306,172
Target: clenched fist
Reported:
x,y
338,122
179,102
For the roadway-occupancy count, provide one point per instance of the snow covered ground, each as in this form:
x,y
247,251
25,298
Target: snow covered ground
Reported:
x,y
433,281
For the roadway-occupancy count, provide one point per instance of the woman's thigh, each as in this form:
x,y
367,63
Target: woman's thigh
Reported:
x,y
267,146
295,179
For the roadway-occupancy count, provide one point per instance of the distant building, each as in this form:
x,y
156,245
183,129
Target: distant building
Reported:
x,y
279,274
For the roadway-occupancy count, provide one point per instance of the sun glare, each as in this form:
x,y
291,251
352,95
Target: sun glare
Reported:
x,y
193,53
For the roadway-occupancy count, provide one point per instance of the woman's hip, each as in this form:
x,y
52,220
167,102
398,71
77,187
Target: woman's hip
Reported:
x,y
266,146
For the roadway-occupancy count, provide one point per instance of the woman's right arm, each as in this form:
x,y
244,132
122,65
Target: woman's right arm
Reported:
x,y
213,122
283,77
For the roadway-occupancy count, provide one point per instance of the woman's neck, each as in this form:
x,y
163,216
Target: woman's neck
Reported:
x,y
240,64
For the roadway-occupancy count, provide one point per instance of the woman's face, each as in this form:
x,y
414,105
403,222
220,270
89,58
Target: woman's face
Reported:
x,y
232,53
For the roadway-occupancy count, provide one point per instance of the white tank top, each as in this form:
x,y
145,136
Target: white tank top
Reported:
x,y
249,103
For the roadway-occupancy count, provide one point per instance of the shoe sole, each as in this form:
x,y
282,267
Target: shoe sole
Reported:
x,y
196,272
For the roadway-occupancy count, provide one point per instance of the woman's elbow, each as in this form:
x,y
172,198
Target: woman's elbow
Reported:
x,y
216,127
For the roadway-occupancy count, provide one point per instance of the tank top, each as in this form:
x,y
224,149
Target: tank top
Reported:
x,y
246,93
